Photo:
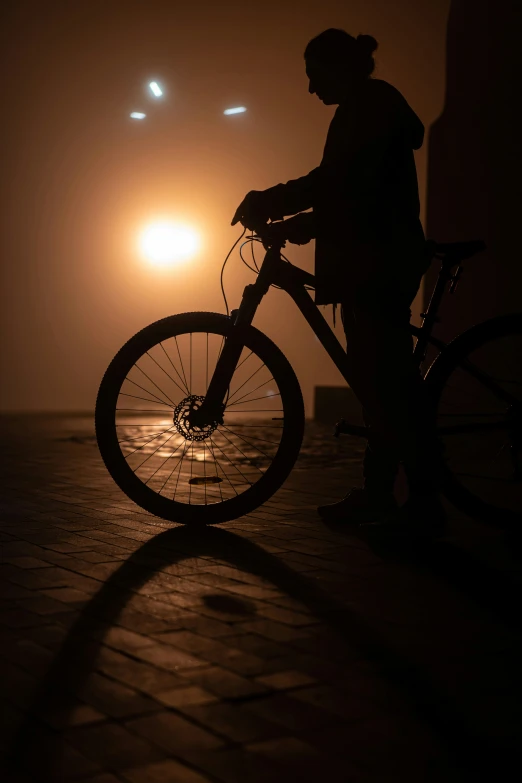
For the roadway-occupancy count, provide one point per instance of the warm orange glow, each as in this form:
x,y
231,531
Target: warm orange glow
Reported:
x,y
165,243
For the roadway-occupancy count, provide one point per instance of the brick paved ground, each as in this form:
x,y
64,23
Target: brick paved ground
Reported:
x,y
267,648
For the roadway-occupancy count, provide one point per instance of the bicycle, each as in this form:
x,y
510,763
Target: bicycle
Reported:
x,y
179,441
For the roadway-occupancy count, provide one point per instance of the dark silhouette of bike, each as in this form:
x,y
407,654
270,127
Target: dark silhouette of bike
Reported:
x,y
200,417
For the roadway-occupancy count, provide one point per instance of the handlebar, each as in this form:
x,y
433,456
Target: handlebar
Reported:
x,y
262,230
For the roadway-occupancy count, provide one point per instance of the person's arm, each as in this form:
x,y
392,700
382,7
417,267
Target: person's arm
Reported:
x,y
296,195
358,140
354,151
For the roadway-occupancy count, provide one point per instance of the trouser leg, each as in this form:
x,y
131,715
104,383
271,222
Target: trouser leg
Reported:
x,y
390,388
381,462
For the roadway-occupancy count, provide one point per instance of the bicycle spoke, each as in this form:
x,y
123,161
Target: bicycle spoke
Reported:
x,y
254,390
257,410
272,442
254,399
205,472
171,472
229,460
182,462
191,467
139,437
217,464
250,444
244,360
156,385
256,426
156,399
238,449
153,453
173,367
247,380
160,467
179,472
141,410
150,441
181,362
225,474
166,373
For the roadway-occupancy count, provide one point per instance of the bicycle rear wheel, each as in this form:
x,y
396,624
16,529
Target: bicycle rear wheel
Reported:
x,y
184,474
476,388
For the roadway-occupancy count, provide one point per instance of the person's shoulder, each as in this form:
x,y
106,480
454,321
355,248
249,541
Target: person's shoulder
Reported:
x,y
379,90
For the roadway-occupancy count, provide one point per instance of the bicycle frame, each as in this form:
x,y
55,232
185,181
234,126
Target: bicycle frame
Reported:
x,y
275,271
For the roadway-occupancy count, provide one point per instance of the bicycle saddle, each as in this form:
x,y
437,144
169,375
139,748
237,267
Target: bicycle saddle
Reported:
x,y
455,252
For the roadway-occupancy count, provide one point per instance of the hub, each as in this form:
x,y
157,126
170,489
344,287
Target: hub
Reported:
x,y
182,420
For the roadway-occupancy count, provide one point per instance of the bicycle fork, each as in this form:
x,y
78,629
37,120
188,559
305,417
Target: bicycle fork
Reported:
x,y
213,406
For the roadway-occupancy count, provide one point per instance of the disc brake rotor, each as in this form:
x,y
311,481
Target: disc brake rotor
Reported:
x,y
181,419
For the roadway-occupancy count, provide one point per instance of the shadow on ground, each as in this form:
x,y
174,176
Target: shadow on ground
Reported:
x,y
36,749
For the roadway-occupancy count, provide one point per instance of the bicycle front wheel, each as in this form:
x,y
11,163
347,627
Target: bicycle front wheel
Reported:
x,y
476,387
198,475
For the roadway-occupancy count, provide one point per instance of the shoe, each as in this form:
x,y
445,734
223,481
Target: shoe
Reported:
x,y
358,505
419,518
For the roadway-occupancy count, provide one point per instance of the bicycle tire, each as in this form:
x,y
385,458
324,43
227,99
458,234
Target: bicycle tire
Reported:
x,y
438,377
106,431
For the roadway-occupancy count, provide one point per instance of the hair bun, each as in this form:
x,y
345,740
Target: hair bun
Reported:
x,y
367,43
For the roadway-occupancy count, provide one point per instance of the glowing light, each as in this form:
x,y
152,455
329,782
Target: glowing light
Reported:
x,y
156,89
138,115
236,110
166,243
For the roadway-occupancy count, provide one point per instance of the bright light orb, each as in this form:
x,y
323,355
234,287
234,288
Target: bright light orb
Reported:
x,y
165,244
138,115
236,110
155,89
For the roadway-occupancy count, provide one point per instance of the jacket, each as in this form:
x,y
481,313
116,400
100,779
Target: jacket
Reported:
x,y
364,195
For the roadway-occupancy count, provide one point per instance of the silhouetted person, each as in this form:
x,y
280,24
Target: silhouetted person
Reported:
x,y
370,258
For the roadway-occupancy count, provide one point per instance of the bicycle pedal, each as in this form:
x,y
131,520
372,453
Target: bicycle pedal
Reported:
x,y
340,428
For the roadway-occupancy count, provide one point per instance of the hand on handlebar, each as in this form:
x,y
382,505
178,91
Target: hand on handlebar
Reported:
x,y
253,210
298,230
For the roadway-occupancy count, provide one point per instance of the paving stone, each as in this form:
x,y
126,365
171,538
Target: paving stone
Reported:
x,y
293,715
302,759
113,746
76,715
185,696
205,626
238,766
67,595
26,562
13,592
285,680
223,682
173,733
232,721
137,674
17,617
169,771
125,640
114,699
273,630
287,616
215,652
329,665
262,648
49,636
168,657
